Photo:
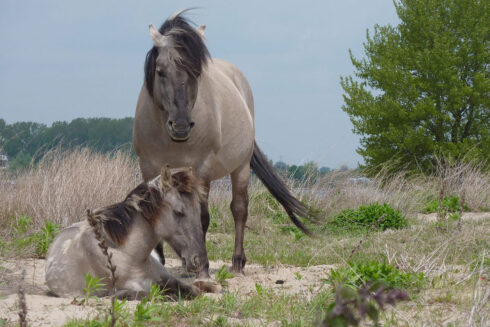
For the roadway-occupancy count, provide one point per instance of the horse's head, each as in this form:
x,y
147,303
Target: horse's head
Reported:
x,y
172,70
180,223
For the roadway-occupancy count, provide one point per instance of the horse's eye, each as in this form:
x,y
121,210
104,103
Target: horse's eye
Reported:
x,y
160,73
178,213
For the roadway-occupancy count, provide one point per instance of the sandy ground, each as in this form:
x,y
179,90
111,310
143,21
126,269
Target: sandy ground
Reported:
x,y
46,310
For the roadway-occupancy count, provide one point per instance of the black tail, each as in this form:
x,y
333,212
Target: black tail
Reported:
x,y
264,170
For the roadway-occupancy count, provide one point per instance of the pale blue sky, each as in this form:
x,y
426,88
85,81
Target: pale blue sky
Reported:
x,y
60,60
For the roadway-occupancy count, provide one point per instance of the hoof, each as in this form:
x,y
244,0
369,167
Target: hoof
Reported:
x,y
238,263
208,286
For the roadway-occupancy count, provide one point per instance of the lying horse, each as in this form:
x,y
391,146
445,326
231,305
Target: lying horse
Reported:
x,y
165,208
196,111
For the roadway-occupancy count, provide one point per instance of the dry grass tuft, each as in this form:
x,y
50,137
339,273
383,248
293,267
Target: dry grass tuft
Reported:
x,y
22,303
96,224
409,194
63,184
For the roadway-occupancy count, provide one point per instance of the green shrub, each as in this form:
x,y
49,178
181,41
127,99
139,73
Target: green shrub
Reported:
x,y
24,238
366,216
452,204
375,272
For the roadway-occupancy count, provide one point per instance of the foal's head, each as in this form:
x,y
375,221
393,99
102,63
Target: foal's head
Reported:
x,y
180,224
171,205
172,70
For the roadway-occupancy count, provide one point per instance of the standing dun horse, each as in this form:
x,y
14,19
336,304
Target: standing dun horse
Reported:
x,y
165,208
196,111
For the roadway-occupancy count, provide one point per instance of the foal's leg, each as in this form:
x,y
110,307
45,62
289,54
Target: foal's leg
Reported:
x,y
239,209
204,273
174,286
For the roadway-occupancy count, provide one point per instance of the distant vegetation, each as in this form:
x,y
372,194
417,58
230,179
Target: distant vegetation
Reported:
x,y
23,141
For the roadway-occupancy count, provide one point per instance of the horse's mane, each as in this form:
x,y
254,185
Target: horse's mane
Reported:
x,y
146,199
118,218
189,44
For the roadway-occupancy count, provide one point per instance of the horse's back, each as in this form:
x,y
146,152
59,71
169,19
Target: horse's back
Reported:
x,y
237,78
69,260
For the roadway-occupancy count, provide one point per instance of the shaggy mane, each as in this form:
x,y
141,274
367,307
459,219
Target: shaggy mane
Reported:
x,y
188,43
148,200
118,218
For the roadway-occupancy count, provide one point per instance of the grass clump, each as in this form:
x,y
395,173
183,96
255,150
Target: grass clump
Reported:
x,y
377,273
222,275
25,240
367,215
449,204
92,286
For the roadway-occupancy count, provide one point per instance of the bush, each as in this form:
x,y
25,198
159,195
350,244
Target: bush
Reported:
x,y
375,272
452,203
366,216
24,237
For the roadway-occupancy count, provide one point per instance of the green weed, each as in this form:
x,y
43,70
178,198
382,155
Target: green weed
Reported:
x,y
23,238
366,216
449,203
92,285
223,274
145,312
44,238
375,272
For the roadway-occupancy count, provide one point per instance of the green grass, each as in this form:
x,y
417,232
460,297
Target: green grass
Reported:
x,y
222,275
289,310
377,272
449,203
366,216
24,239
92,285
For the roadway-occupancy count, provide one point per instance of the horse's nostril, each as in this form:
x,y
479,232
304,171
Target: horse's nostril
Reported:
x,y
170,123
191,124
196,261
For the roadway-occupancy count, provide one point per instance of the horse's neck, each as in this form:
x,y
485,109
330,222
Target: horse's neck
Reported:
x,y
141,240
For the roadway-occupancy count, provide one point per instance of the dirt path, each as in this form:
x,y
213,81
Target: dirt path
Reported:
x,y
45,310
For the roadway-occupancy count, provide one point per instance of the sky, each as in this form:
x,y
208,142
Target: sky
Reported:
x,y
61,60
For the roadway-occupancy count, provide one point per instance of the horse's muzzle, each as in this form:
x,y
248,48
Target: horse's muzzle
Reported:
x,y
179,132
195,264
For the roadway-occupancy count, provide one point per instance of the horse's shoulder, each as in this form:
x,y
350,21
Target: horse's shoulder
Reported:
x,y
224,66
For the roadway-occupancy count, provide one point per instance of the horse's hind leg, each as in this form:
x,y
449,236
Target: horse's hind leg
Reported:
x,y
239,209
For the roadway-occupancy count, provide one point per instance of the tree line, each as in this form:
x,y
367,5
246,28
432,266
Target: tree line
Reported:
x,y
23,141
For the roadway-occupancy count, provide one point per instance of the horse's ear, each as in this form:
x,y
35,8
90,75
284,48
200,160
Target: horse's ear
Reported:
x,y
166,178
156,36
200,31
183,179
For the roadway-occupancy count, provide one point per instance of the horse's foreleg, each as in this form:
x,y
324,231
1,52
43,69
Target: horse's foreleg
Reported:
x,y
204,273
239,209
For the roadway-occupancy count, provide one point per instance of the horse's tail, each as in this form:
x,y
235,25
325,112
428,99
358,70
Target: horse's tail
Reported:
x,y
265,172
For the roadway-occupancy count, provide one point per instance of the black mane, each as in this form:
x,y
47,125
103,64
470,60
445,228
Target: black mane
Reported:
x,y
188,43
118,218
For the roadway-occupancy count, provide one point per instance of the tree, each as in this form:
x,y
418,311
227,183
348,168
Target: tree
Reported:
x,y
423,87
